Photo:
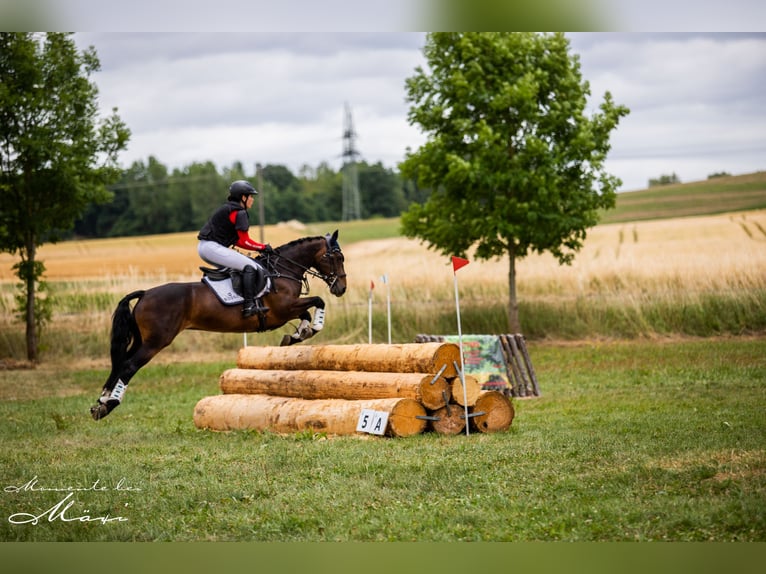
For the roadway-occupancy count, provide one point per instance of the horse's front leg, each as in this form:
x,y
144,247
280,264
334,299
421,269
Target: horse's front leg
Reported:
x,y
307,329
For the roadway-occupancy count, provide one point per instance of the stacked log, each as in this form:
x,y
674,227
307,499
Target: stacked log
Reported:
x,y
287,415
326,388
432,392
492,412
396,358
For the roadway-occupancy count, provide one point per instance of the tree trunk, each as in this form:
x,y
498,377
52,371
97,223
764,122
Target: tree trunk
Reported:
x,y
28,271
513,305
432,392
289,415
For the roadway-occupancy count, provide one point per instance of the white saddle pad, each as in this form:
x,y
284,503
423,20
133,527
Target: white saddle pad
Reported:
x,y
226,294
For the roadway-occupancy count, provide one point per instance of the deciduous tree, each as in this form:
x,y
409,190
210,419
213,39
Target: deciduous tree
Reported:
x,y
513,162
56,154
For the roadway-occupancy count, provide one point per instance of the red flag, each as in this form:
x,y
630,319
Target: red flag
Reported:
x,y
458,262
372,285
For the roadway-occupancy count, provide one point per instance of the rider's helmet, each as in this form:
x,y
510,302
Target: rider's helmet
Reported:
x,y
241,188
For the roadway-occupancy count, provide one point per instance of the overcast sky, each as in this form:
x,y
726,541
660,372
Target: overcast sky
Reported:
x,y
697,101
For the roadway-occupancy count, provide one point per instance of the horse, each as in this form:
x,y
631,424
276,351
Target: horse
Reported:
x,y
161,313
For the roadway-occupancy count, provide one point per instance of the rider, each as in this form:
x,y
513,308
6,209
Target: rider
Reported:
x,y
229,226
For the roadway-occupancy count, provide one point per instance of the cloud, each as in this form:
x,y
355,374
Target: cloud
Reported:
x,y
696,100
273,98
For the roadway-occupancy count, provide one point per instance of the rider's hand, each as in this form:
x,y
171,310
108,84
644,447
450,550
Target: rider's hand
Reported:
x,y
267,249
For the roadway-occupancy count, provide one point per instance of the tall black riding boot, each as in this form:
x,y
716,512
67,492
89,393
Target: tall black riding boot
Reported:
x,y
249,307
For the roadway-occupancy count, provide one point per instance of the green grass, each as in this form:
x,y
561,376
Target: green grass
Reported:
x,y
364,230
709,197
639,441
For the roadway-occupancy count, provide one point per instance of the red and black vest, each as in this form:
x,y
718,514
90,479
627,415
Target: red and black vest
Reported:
x,y
219,227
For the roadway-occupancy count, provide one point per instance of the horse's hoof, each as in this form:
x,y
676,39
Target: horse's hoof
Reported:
x,y
304,334
99,411
285,341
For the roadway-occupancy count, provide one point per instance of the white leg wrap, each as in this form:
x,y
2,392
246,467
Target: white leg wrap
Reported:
x,y
117,392
318,320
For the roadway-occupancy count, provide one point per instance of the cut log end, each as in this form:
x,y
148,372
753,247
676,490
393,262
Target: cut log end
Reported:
x,y
472,390
498,412
450,419
403,420
434,392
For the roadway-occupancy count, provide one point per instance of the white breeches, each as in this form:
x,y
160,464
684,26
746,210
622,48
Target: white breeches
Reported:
x,y
216,254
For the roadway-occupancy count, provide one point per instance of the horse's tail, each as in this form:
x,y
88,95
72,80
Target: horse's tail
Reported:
x,y
126,337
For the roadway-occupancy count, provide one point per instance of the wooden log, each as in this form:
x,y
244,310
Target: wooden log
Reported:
x,y
472,390
520,364
395,358
498,412
518,389
289,415
431,391
449,419
522,345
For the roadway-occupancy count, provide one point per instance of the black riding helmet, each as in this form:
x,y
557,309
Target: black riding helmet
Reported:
x,y
240,188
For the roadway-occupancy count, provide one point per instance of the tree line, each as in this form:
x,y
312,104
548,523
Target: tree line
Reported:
x,y
148,198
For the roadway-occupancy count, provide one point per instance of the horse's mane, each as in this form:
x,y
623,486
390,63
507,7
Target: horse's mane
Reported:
x,y
299,241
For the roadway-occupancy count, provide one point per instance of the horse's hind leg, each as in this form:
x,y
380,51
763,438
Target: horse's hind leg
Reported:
x,y
117,383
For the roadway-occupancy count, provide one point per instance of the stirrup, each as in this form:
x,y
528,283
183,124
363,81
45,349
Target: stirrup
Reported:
x,y
250,310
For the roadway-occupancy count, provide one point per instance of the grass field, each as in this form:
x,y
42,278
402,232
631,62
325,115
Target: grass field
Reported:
x,y
629,442
717,195
651,355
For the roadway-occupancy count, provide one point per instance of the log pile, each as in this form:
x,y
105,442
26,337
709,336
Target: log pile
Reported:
x,y
325,389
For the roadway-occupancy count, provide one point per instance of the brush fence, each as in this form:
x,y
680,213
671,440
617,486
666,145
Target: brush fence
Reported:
x,y
409,389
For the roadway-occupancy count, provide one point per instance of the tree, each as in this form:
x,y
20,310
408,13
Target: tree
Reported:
x,y
664,180
512,161
382,194
56,155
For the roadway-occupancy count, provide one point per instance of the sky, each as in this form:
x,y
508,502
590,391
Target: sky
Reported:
x,y
697,100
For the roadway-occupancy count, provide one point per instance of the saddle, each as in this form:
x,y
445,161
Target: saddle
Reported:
x,y
228,284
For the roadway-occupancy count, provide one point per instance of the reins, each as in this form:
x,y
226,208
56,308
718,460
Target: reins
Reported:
x,y
273,260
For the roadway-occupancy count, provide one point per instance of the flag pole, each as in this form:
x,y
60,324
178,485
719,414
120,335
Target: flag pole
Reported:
x,y
457,263
369,313
384,278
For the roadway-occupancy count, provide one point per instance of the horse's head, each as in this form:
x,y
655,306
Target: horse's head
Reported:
x,y
329,263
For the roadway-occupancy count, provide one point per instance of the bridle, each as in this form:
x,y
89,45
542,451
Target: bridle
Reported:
x,y
332,253
336,255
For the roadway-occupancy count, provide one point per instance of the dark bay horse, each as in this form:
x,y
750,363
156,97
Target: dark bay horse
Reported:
x,y
162,312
